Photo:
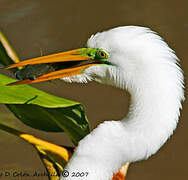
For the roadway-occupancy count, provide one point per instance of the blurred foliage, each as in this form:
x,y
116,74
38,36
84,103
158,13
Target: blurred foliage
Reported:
x,y
7,54
54,157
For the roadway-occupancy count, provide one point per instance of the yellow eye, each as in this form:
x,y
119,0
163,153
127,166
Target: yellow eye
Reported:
x,y
102,54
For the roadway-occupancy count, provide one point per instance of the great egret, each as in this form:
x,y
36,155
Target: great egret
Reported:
x,y
135,59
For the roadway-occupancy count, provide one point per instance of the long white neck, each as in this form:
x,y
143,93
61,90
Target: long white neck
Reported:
x,y
152,117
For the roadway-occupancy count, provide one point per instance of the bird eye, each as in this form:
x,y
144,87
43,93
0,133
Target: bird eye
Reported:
x,y
102,54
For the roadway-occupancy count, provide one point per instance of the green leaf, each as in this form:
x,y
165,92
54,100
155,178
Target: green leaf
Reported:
x,y
44,111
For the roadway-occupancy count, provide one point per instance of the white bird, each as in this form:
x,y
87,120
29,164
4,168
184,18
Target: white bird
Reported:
x,y
135,59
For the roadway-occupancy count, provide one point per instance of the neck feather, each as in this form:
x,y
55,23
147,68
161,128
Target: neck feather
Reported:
x,y
152,118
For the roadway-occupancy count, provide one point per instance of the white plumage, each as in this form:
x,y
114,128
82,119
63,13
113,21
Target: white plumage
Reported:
x,y
144,65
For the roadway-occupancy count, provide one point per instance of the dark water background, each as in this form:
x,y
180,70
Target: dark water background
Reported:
x,y
60,25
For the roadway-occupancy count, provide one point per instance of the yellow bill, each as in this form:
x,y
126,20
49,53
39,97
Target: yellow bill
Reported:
x,y
80,59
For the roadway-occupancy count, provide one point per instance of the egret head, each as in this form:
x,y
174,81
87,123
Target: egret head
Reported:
x,y
136,58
